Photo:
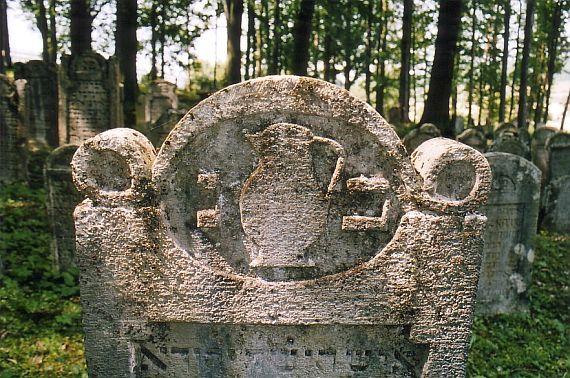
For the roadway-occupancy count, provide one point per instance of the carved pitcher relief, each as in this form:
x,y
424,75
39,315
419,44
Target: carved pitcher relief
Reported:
x,y
283,208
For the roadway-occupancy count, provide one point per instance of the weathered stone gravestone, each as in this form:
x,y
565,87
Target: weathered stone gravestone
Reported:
x,y
161,97
62,197
165,123
510,143
12,136
558,147
458,125
89,97
538,149
473,138
40,100
417,136
512,214
281,231
556,205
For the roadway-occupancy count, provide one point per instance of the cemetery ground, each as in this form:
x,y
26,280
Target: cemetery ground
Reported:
x,y
40,312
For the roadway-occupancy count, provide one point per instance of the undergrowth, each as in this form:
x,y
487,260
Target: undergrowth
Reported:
x,y
40,326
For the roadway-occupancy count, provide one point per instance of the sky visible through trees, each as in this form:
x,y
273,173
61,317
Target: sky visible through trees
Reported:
x,y
356,44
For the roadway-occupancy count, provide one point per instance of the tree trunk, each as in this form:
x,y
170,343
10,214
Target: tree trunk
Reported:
x,y
250,47
126,51
405,45
5,58
368,55
234,11
81,26
472,66
153,42
504,60
274,65
301,37
437,105
52,32
529,18
381,67
42,24
553,37
565,111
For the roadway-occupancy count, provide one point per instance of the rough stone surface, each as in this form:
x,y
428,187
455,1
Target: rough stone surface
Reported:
x,y
62,197
512,214
12,136
510,143
192,262
164,125
473,138
538,149
89,99
558,147
40,100
417,136
556,203
161,97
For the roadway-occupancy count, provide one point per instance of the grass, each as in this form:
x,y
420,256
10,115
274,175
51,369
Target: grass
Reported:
x,y
40,314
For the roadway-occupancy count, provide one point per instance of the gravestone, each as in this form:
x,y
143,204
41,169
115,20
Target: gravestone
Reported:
x,y
40,100
281,231
512,214
417,136
62,197
89,97
558,147
161,97
165,123
538,149
473,138
556,205
12,135
510,143
458,125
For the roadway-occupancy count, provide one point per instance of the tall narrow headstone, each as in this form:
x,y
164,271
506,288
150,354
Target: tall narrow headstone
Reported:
x,y
269,238
556,201
40,100
90,100
417,136
62,197
558,147
538,149
473,138
12,136
161,97
512,214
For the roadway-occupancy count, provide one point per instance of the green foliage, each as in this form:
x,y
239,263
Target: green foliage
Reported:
x,y
40,314
536,344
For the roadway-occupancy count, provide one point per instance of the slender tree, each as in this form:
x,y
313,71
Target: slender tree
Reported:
x,y
250,40
5,58
472,64
553,38
436,109
81,26
405,49
368,54
381,66
516,68
301,37
529,18
52,41
565,111
504,59
276,45
126,51
234,11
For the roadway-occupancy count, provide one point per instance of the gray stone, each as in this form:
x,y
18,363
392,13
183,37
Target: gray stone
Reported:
x,y
12,134
165,123
473,138
512,214
556,203
161,97
89,97
281,231
417,136
558,147
62,197
458,125
510,143
538,149
40,100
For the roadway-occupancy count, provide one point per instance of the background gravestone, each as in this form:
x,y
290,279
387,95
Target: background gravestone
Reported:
x,y
558,147
512,214
364,263
510,143
165,123
40,100
12,136
62,197
538,149
417,136
473,138
556,204
90,100
161,97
